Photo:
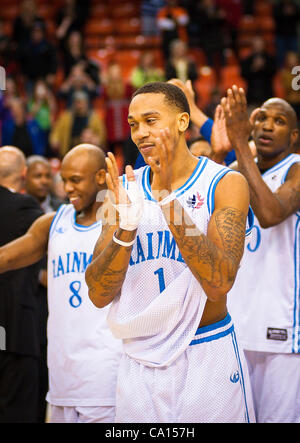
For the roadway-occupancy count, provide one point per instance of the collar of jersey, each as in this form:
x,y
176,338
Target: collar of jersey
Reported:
x,y
83,228
187,185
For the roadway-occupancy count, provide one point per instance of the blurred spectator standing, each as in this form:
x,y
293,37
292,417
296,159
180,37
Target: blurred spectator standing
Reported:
x,y
149,10
117,95
78,81
74,54
258,69
292,59
71,17
24,22
37,58
179,64
7,52
42,107
146,71
232,11
287,18
210,22
67,130
172,21
22,131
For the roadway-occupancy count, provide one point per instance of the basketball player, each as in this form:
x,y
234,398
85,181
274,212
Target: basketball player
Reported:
x,y
265,300
168,267
83,356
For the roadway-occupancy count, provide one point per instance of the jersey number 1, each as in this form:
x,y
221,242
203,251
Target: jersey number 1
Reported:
x,y
161,280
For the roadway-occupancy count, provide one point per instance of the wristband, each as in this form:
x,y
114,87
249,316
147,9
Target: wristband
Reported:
x,y
122,243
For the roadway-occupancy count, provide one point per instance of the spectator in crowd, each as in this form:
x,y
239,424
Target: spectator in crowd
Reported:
x,y
42,107
7,51
179,64
78,80
19,361
37,57
146,71
172,21
90,137
74,53
68,127
117,94
149,10
24,22
11,91
71,17
292,95
258,69
287,18
233,11
39,184
210,20
22,131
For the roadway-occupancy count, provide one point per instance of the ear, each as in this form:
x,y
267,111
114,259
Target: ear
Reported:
x,y
183,121
294,137
100,177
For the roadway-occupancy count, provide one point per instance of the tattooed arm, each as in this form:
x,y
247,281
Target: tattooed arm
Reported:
x,y
106,273
214,258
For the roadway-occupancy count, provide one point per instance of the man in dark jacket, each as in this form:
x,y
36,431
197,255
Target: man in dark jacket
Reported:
x,y
18,304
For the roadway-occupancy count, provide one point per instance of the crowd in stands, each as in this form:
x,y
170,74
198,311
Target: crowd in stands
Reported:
x,y
58,94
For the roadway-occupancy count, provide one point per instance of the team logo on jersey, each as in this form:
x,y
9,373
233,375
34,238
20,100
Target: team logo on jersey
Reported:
x,y
60,230
196,201
235,376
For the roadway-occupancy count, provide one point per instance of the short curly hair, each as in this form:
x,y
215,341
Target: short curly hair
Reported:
x,y
173,95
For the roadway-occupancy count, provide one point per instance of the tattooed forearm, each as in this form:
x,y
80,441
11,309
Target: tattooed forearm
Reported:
x,y
106,273
214,263
230,223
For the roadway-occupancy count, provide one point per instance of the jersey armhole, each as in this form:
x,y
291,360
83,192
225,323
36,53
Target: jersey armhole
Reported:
x,y
56,218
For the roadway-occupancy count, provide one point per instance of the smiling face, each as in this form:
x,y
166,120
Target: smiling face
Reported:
x,y
150,113
83,176
274,130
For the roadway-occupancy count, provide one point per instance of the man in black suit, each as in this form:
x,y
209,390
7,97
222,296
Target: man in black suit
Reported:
x,y
18,303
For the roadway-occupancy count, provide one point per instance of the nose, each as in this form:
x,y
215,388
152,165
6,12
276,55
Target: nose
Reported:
x,y
142,131
268,124
68,186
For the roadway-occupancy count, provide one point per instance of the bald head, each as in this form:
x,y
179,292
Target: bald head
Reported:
x,y
91,155
12,167
285,107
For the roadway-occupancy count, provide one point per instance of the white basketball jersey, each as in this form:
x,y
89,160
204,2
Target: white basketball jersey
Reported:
x,y
83,355
265,300
161,303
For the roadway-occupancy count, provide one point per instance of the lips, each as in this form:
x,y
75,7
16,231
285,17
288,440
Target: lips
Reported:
x,y
146,147
74,200
265,139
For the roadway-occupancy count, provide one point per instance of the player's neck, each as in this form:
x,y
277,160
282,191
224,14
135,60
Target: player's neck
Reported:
x,y
87,216
183,166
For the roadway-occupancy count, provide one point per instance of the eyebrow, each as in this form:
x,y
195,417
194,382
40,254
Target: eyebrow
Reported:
x,y
277,114
145,114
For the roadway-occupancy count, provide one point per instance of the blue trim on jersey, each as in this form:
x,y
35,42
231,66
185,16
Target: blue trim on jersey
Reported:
x,y
82,228
190,181
296,322
284,177
212,188
181,191
242,381
56,218
279,165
